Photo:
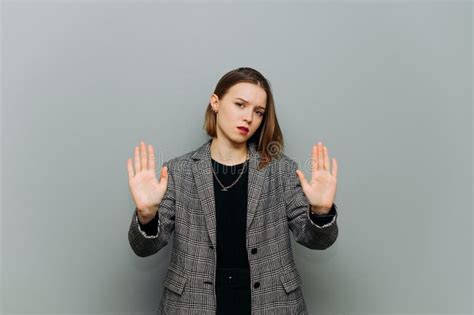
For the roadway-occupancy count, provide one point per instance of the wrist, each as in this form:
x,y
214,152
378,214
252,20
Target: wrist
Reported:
x,y
146,215
319,210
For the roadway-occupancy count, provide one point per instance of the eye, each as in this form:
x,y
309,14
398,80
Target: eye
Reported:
x,y
260,114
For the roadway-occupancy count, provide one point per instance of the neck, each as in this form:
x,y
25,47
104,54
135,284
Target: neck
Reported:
x,y
228,153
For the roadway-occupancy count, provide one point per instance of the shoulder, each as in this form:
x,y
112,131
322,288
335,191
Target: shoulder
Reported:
x,y
282,171
284,165
183,161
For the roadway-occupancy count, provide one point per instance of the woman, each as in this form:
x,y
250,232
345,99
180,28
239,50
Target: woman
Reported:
x,y
231,204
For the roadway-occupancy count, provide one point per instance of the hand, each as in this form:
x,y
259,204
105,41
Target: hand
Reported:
x,y
321,190
146,191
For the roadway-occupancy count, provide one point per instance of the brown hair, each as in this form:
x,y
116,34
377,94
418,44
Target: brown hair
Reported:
x,y
268,137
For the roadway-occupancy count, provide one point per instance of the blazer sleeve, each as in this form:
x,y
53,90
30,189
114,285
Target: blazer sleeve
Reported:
x,y
314,235
324,220
150,228
148,239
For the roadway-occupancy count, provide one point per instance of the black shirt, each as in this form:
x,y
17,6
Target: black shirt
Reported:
x,y
231,215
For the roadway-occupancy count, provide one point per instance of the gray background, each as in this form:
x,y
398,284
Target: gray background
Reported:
x,y
387,86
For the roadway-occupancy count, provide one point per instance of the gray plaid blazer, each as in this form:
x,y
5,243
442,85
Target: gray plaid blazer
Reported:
x,y
276,205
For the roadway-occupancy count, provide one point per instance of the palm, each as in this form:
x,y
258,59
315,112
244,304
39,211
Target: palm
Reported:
x,y
321,190
146,190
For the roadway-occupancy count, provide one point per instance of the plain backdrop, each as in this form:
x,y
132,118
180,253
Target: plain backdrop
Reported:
x,y
386,86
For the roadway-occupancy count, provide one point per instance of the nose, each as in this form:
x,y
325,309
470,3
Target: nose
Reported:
x,y
248,117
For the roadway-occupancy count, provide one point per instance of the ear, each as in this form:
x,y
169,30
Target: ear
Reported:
x,y
214,100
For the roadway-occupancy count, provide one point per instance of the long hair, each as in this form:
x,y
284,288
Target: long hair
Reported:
x,y
268,137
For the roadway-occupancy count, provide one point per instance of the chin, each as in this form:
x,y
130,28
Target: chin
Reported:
x,y
240,140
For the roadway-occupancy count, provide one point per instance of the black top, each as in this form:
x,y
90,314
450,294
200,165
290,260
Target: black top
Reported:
x,y
231,215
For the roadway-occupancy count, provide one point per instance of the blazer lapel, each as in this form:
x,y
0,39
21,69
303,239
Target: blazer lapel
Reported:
x,y
204,180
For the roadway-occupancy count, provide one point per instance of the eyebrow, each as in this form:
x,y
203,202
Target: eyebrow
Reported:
x,y
247,102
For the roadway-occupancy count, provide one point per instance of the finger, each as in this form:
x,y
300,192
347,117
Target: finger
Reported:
x,y
143,156
151,158
320,156
130,169
334,167
326,158
314,159
138,167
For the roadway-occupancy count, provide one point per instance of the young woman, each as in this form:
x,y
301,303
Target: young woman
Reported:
x,y
231,204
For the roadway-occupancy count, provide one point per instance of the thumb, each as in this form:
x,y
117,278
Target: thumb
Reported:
x,y
302,178
164,173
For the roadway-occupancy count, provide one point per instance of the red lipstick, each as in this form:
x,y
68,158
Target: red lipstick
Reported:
x,y
243,130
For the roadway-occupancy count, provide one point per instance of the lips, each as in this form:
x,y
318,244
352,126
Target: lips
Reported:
x,y
243,129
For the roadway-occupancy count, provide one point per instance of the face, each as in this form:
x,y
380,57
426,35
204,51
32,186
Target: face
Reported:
x,y
243,105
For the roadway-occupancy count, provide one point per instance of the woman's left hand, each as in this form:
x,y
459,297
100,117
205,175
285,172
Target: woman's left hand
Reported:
x,y
321,190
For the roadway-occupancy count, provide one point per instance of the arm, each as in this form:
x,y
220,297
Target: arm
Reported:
x,y
306,232
147,239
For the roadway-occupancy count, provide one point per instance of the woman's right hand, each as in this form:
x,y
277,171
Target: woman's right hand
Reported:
x,y
146,191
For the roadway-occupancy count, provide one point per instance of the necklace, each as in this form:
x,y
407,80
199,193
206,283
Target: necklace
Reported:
x,y
235,182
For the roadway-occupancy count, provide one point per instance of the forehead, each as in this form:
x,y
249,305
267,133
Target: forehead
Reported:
x,y
250,92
